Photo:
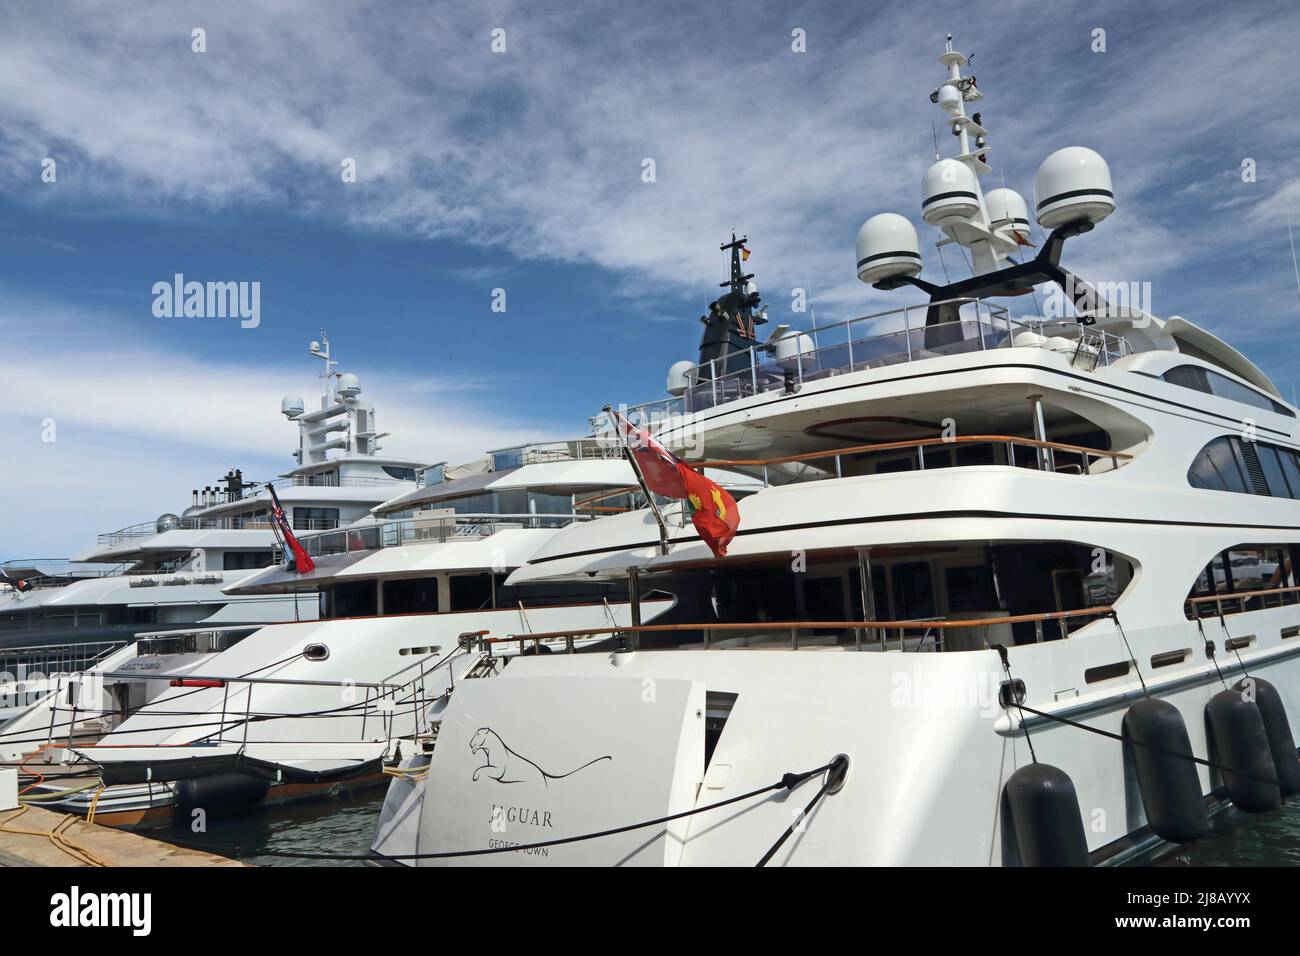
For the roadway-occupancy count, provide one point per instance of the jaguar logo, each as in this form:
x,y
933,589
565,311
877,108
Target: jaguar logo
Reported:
x,y
504,765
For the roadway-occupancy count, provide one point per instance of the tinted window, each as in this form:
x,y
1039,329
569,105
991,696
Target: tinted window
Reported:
x,y
307,519
411,596
471,592
239,560
1204,380
1268,460
1228,464
1223,465
970,589
1291,466
354,599
913,590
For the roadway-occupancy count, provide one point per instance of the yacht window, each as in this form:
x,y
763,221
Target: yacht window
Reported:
x,y
1216,468
1243,569
411,596
1291,468
970,589
1273,474
505,460
312,519
913,590
241,560
395,471
350,599
1213,383
1229,464
471,592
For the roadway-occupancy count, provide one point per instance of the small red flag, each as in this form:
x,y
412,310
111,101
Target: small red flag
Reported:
x,y
713,510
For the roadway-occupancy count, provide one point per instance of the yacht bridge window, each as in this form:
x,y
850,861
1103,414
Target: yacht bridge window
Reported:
x,y
1246,467
1212,383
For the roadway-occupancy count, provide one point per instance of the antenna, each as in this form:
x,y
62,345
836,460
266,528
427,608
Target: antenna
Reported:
x,y
321,350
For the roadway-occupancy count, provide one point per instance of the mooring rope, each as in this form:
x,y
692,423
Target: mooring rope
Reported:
x,y
1209,652
787,782
1164,750
835,774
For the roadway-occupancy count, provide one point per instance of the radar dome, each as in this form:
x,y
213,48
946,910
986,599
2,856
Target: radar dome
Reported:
x,y
679,376
790,347
1073,185
167,522
1008,212
291,406
191,511
887,247
349,385
949,191
949,98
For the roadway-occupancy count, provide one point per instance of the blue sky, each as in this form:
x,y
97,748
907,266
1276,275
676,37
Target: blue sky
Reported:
x,y
522,170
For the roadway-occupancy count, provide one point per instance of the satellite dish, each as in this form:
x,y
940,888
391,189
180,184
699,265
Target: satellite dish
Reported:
x,y
949,191
887,247
167,522
291,406
679,377
779,331
1073,185
349,385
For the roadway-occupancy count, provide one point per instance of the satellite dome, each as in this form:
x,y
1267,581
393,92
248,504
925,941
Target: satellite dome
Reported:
x,y
191,511
887,247
791,346
949,98
1073,185
167,522
291,406
949,191
349,386
679,376
1008,212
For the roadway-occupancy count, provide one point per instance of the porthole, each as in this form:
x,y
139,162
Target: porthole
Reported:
x,y
316,652
1094,675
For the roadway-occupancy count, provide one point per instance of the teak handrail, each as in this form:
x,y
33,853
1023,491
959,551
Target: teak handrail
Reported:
x,y
1100,611
914,443
1240,594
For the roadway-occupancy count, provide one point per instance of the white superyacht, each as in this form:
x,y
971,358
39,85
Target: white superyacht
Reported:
x,y
1014,592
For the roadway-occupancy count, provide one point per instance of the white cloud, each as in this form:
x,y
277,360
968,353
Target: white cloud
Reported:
x,y
137,426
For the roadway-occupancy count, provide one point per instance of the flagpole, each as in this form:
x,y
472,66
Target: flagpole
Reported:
x,y
640,480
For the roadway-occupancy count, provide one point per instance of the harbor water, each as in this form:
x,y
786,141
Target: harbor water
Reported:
x,y
344,827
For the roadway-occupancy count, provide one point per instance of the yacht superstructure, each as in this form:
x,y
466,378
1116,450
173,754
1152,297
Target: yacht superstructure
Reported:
x,y
404,602
985,548
171,572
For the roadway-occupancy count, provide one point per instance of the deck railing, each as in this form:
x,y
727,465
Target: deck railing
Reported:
x,y
1044,457
850,346
859,630
425,529
1213,605
55,658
